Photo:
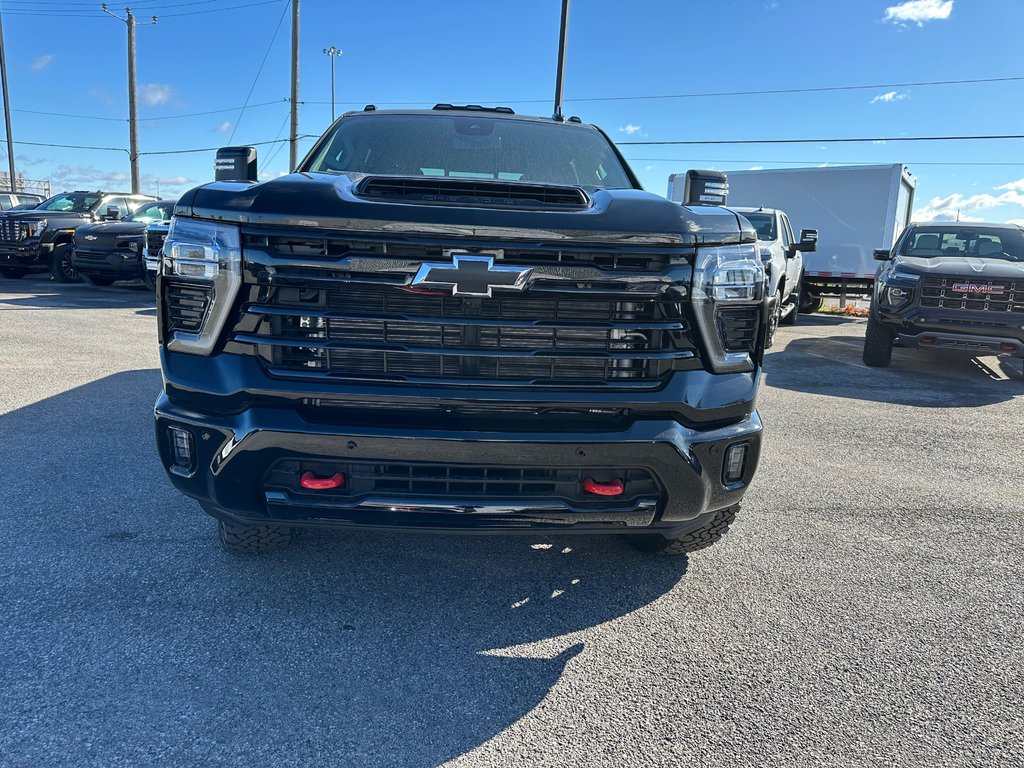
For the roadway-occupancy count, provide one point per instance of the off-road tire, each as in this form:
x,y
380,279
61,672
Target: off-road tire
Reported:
x,y
61,268
809,303
693,541
774,316
98,280
252,539
877,345
13,273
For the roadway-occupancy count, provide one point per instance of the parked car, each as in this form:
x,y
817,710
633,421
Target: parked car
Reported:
x,y
40,240
112,250
783,262
10,201
152,245
949,286
462,319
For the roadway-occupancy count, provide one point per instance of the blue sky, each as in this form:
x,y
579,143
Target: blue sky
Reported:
x,y
66,56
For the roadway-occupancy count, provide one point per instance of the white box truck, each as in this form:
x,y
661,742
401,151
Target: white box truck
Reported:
x,y
855,208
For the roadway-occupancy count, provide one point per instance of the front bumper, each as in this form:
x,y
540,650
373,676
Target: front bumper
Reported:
x,y
977,332
30,254
121,264
233,454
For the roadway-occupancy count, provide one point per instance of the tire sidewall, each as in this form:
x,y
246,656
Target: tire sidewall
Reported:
x,y
61,268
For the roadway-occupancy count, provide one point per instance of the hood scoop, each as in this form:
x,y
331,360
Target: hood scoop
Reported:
x,y
471,192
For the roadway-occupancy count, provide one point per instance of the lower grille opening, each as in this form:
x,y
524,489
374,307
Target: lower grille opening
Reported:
x,y
738,327
185,306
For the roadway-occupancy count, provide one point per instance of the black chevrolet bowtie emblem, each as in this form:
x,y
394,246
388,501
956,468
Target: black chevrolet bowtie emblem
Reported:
x,y
471,275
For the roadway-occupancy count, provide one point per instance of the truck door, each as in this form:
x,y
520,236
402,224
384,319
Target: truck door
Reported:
x,y
794,263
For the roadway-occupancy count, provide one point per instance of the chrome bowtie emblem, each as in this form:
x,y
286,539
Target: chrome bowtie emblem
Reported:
x,y
471,275
90,237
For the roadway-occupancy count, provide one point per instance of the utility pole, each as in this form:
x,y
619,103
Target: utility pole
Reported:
x,y
293,140
332,53
133,117
560,75
7,107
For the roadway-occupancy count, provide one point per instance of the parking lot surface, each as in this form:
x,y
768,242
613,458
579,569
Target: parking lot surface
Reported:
x,y
866,608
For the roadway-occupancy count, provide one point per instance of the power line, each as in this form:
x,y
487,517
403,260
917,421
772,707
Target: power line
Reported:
x,y
820,141
259,71
78,12
71,146
214,149
816,162
146,119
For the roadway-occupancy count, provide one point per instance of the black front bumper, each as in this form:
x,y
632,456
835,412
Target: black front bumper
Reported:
x,y
31,255
976,332
119,264
233,455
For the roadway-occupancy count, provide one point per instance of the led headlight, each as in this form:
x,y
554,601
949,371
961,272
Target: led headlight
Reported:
x,y
27,229
207,256
728,293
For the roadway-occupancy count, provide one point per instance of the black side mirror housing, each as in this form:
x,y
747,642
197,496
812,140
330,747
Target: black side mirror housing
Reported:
x,y
235,164
808,240
883,254
113,213
705,188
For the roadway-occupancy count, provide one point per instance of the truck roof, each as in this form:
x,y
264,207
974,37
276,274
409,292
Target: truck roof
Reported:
x,y
503,113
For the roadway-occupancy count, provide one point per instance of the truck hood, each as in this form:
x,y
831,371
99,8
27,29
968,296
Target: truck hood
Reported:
x,y
958,266
330,201
112,229
58,218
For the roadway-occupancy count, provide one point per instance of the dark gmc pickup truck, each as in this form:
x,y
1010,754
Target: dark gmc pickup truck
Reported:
x,y
462,319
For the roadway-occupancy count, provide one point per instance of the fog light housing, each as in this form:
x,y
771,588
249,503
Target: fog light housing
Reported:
x,y
181,447
735,463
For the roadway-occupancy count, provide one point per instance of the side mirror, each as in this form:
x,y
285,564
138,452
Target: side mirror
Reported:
x,y
113,213
235,164
882,254
808,240
705,188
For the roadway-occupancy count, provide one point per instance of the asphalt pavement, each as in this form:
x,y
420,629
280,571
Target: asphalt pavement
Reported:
x,y
865,610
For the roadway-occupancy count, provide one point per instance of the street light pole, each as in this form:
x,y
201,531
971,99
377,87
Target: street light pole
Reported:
x,y
133,118
332,53
7,109
560,74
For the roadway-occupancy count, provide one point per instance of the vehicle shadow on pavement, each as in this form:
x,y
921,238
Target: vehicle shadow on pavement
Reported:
x,y
130,638
39,293
832,365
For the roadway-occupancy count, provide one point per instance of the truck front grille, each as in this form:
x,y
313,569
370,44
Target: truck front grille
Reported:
x,y
155,241
9,230
968,295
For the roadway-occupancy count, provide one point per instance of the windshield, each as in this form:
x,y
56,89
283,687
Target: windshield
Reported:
x,y
151,213
74,202
471,147
933,241
764,224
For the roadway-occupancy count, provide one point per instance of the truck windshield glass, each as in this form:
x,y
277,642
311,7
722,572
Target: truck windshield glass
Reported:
x,y
75,202
471,147
935,241
764,224
152,213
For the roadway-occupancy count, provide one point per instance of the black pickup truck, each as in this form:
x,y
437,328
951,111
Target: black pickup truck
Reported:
x,y
460,318
113,250
953,286
41,239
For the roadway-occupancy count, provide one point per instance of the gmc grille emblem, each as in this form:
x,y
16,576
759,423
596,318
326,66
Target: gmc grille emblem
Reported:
x,y
990,290
471,275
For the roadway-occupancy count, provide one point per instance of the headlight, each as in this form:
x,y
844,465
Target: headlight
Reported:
x,y
728,296
27,229
203,262
133,246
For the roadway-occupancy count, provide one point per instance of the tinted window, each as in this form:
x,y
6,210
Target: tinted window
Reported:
x,y
763,223
7,202
74,202
471,147
787,232
949,240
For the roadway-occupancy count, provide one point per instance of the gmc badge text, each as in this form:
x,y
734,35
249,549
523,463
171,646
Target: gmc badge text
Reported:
x,y
459,318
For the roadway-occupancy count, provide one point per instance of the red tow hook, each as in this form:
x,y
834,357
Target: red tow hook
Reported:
x,y
312,482
611,488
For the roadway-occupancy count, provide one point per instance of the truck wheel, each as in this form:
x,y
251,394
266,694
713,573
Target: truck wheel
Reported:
x,y
13,273
794,298
705,536
774,316
149,280
61,268
97,280
251,539
877,345
810,303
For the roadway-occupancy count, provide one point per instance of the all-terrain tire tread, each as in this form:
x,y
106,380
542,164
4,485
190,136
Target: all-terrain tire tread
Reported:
x,y
251,539
694,541
877,345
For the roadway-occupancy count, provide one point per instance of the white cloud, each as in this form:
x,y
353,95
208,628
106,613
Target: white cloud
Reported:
x,y
42,62
153,94
224,127
890,96
756,168
950,207
919,11
629,129
1018,222
90,177
1015,186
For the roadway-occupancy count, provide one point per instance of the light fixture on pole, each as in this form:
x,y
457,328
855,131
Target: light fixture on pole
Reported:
x,y
332,53
133,117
